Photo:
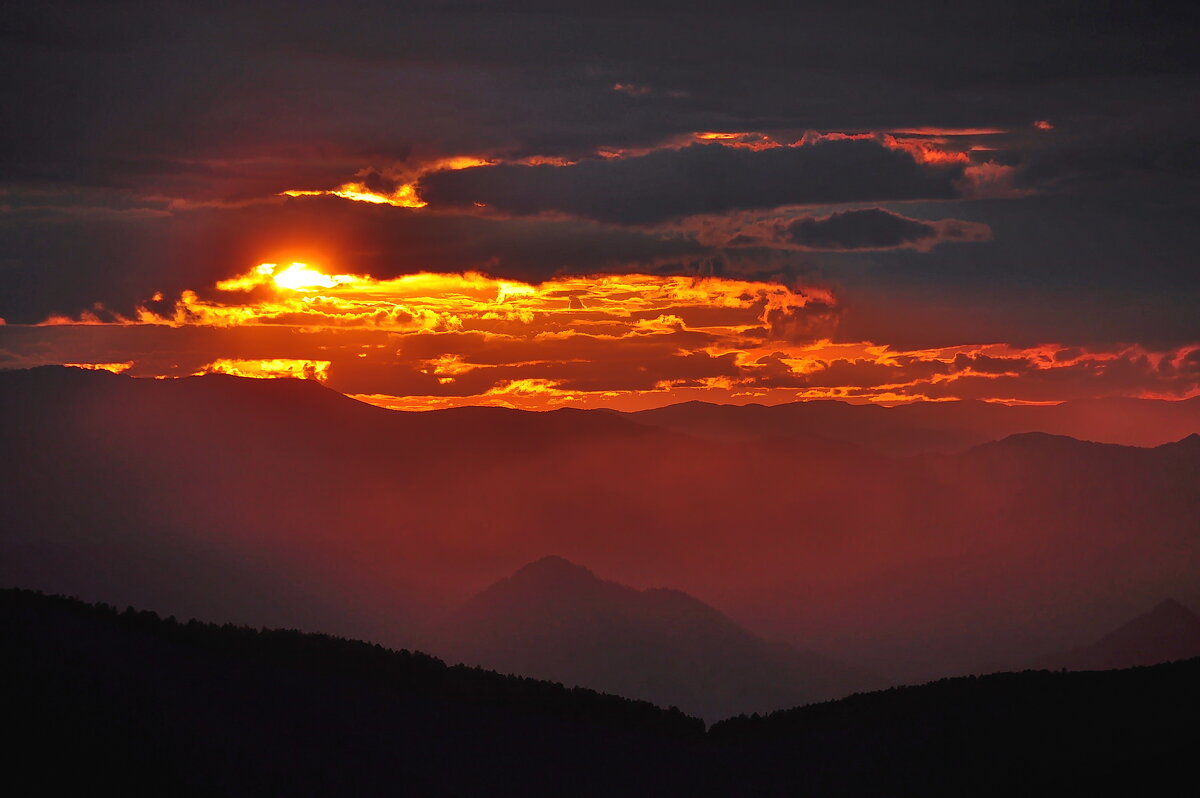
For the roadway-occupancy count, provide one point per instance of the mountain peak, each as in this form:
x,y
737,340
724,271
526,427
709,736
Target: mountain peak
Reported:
x,y
1170,631
553,568
557,620
1187,443
1170,608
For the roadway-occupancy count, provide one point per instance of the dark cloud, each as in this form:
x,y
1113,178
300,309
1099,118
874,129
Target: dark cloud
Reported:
x,y
63,265
866,229
291,75
813,321
702,178
377,183
153,109
855,230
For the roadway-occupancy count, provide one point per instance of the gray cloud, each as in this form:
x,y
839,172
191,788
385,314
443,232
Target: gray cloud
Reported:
x,y
701,178
229,103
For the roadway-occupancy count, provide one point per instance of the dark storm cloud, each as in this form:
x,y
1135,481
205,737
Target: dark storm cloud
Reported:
x,y
702,178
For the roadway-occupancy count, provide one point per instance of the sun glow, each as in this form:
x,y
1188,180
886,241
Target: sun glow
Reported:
x,y
295,277
626,341
270,368
403,197
300,277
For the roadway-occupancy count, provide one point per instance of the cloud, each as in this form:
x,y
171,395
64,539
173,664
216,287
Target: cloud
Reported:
x,y
181,123
698,179
867,229
64,265
322,85
440,340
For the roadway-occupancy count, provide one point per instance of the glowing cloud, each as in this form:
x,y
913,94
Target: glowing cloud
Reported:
x,y
425,341
266,369
617,305
399,190
296,276
115,368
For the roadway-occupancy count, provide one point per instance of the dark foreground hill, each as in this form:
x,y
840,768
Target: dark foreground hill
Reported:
x,y
137,705
128,703
556,620
1126,732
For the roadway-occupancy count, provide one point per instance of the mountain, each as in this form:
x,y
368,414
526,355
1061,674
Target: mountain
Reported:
x,y
1168,632
131,703
1121,732
152,491
283,503
933,427
556,620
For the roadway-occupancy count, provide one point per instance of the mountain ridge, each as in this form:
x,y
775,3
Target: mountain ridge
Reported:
x,y
558,620
896,429
317,511
147,705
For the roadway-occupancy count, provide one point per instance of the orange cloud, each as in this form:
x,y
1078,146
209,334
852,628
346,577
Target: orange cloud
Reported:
x,y
617,305
398,189
266,369
627,341
928,146
398,185
115,368
742,140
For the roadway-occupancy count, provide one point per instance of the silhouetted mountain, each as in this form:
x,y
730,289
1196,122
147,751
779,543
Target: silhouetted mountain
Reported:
x,y
282,503
101,701
1126,732
1168,632
153,491
134,704
934,427
556,620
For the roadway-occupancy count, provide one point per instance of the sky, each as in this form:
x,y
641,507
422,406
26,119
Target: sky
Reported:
x,y
541,205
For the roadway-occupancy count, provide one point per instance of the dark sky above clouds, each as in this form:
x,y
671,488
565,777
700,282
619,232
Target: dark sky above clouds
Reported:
x,y
955,175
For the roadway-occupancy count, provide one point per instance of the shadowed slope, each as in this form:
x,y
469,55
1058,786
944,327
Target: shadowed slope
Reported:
x,y
1168,632
556,620
1127,732
128,703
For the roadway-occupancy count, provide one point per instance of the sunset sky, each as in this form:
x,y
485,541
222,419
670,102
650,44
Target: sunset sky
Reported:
x,y
627,205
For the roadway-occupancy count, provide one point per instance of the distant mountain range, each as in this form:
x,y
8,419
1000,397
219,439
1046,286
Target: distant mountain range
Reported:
x,y
556,620
283,503
130,703
933,427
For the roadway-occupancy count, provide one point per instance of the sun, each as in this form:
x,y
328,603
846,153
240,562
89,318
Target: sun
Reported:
x,y
300,276
296,276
